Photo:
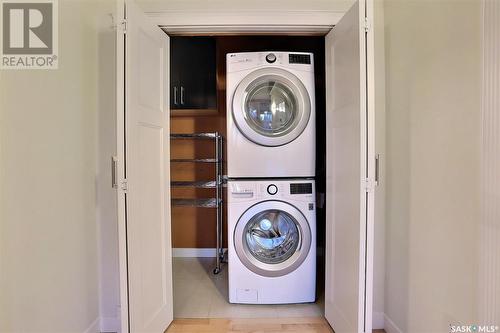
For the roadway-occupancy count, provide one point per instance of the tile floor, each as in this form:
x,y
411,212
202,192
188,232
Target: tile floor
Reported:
x,y
200,294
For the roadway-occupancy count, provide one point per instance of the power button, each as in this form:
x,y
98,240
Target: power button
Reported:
x,y
272,189
270,58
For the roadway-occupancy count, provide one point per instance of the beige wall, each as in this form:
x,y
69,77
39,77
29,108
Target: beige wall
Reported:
x,y
380,148
48,150
433,102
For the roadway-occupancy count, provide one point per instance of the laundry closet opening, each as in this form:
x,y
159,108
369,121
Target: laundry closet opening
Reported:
x,y
198,101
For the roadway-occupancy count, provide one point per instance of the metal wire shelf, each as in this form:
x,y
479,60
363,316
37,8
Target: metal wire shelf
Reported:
x,y
216,184
194,135
197,184
195,160
200,203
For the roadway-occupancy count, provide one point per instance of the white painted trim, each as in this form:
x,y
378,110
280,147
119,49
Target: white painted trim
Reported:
x,y
378,320
369,234
192,21
255,19
109,324
390,326
309,30
94,327
194,252
120,153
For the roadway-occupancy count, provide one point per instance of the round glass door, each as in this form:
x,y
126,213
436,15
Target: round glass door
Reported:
x,y
272,238
271,107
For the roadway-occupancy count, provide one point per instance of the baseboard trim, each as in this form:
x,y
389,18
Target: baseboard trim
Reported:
x,y
110,324
94,327
182,252
378,320
390,326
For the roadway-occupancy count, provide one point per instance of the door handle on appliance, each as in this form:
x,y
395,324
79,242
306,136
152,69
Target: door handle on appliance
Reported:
x,y
114,172
175,96
182,95
377,168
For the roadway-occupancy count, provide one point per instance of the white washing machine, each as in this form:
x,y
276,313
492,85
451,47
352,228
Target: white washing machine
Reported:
x,y
270,115
272,241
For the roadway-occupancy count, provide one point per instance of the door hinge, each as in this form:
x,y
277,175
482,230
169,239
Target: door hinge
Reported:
x,y
123,26
366,24
124,185
369,184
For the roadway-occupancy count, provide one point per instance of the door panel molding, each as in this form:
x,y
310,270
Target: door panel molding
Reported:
x,y
144,173
350,171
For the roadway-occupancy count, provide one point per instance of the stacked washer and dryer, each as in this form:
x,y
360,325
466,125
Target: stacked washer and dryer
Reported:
x,y
271,167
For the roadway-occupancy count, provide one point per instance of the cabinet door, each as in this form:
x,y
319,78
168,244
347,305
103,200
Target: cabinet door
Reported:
x,y
194,68
350,172
175,71
144,194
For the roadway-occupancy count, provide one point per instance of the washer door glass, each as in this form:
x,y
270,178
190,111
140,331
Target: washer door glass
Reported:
x,y
272,236
270,107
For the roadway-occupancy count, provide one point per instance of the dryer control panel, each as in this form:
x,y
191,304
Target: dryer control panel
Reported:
x,y
298,60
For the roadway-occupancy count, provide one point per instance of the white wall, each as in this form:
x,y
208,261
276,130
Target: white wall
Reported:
x,y
48,150
433,120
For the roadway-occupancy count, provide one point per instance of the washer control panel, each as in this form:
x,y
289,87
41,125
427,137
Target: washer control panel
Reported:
x,y
291,189
272,189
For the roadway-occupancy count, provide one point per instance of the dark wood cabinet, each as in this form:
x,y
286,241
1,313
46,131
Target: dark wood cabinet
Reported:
x,y
193,87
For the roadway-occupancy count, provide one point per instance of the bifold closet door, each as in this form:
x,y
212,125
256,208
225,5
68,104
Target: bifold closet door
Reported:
x,y
350,171
144,178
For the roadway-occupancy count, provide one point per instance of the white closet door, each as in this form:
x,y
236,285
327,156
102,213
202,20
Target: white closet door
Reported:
x,y
144,198
350,174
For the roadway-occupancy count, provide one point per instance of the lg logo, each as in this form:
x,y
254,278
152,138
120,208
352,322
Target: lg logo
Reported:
x,y
29,34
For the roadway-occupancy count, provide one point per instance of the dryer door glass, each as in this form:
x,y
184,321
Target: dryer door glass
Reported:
x,y
272,236
270,107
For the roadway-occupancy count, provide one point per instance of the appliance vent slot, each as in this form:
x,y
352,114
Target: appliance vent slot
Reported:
x,y
299,59
301,188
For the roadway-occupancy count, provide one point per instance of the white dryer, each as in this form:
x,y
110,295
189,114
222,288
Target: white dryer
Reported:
x,y
272,241
270,115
